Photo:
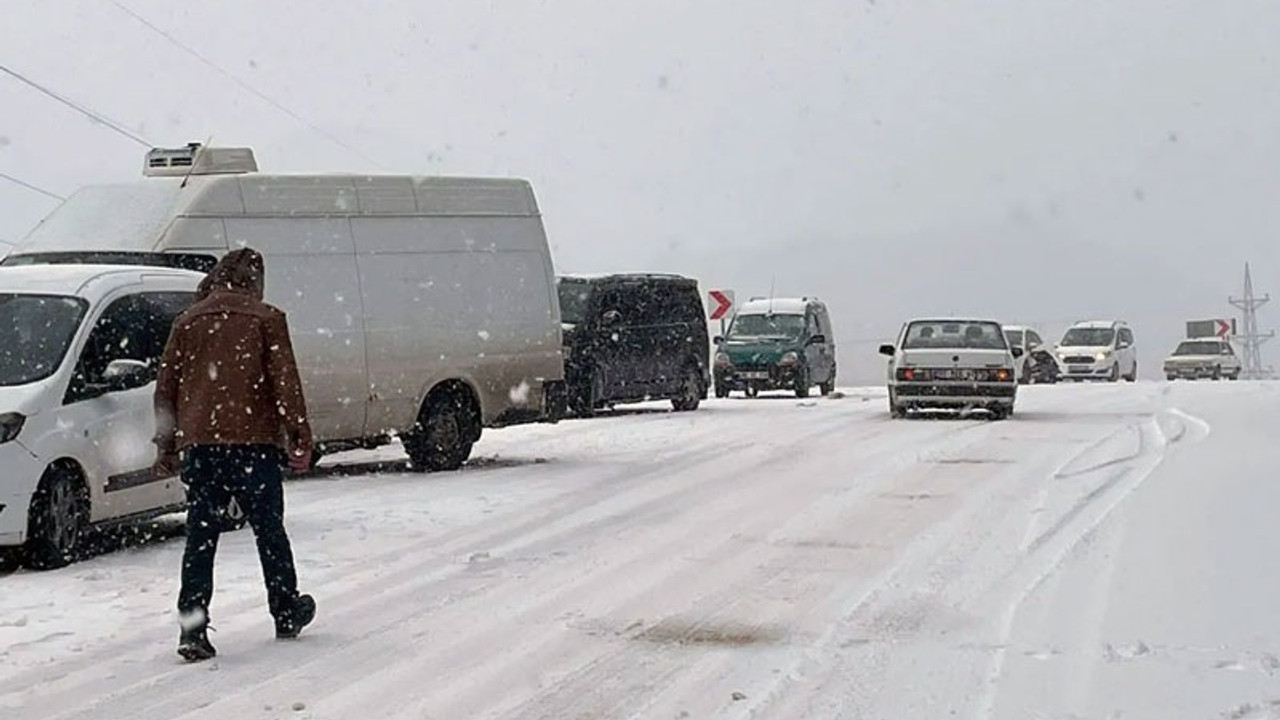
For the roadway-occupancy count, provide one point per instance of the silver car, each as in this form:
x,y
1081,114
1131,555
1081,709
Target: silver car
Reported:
x,y
952,364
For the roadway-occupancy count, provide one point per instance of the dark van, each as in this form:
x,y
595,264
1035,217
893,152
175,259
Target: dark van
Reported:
x,y
631,338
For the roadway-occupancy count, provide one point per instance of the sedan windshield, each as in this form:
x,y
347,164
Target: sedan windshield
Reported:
x,y
35,332
1202,347
1088,337
770,326
954,334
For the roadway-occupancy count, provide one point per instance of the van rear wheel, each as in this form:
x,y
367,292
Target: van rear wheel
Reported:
x,y
59,514
690,391
445,433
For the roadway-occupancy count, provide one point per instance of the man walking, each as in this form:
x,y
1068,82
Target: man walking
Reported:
x,y
229,407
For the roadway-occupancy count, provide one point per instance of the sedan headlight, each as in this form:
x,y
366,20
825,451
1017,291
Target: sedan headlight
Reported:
x,y
722,359
10,426
789,359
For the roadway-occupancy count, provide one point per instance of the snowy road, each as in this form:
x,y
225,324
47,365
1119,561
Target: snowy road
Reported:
x,y
1107,553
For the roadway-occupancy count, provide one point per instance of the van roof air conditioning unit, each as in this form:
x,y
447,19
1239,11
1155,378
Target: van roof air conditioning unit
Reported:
x,y
196,159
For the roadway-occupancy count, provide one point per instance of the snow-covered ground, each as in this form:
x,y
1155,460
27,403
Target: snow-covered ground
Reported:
x,y
1108,553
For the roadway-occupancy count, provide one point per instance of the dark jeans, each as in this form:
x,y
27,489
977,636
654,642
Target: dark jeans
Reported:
x,y
254,476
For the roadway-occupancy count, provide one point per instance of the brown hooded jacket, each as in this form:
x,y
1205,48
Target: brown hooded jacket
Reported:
x,y
228,375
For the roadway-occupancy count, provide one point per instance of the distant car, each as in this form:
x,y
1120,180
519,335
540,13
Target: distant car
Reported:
x,y
633,337
1037,364
1098,350
1211,358
777,344
952,364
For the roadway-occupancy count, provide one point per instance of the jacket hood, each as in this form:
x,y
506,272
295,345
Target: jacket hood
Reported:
x,y
239,271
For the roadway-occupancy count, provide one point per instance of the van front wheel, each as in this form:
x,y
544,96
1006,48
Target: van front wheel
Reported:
x,y
59,514
444,436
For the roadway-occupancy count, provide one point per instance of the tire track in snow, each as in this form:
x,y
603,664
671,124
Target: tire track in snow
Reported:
x,y
945,559
1049,550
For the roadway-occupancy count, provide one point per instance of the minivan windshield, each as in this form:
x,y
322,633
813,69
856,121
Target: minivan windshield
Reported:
x,y
777,325
1089,337
975,335
1203,347
35,332
573,300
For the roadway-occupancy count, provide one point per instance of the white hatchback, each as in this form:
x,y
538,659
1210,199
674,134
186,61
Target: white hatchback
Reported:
x,y
79,349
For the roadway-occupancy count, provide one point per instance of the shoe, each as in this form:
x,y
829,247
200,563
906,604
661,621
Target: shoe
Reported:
x,y
304,611
194,645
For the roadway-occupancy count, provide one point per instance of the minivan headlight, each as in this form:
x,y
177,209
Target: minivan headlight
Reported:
x,y
789,358
722,359
1103,355
10,426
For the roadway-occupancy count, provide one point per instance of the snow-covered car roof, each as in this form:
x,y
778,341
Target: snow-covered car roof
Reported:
x,y
777,306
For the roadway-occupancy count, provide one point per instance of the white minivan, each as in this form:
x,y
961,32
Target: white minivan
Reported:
x,y
79,349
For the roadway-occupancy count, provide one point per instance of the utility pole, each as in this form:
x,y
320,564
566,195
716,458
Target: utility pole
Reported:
x,y
1251,339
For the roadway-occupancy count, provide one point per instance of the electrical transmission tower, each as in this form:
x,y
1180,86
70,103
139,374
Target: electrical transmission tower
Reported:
x,y
1251,339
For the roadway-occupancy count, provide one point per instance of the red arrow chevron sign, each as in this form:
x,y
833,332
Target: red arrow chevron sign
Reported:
x,y
720,302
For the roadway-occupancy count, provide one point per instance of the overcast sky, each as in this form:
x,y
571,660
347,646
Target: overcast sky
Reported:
x,y
1031,160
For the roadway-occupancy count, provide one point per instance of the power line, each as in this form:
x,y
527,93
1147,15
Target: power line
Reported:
x,y
83,110
241,83
29,186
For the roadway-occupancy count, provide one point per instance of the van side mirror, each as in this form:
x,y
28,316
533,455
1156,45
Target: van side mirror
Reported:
x,y
122,375
887,350
718,340
817,340
1016,352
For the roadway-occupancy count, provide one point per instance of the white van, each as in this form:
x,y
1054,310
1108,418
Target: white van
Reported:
x,y
421,308
79,349
1098,350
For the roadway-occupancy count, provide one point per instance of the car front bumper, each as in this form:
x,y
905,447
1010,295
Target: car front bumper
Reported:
x,y
1094,369
766,377
1193,372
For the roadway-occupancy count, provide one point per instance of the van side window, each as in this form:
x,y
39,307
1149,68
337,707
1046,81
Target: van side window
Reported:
x,y
134,327
1126,336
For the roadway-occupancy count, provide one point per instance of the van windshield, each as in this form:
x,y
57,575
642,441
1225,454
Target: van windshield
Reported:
x,y
1088,337
35,332
573,300
767,326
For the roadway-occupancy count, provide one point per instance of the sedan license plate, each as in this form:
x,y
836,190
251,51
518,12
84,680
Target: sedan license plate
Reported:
x,y
754,375
955,374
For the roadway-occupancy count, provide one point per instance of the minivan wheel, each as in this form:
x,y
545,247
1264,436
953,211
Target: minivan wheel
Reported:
x,y
59,514
829,386
1115,373
802,382
722,391
690,391
443,438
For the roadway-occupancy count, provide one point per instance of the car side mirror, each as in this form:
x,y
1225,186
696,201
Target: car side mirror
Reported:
x,y
1016,352
887,350
122,375
817,340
